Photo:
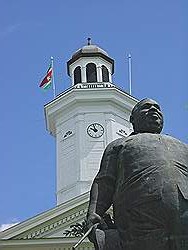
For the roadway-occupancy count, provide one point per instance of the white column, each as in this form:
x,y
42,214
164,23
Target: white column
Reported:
x,y
72,77
83,73
99,74
110,77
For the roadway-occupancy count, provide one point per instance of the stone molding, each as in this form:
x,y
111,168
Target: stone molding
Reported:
x,y
38,233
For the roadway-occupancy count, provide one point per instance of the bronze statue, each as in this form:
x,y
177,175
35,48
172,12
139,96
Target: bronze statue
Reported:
x,y
145,178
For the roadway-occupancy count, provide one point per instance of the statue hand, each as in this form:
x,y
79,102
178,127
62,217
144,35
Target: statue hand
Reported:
x,y
91,220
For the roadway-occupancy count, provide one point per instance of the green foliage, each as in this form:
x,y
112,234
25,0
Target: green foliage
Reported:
x,y
76,230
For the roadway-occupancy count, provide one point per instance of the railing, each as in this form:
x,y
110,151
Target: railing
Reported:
x,y
93,85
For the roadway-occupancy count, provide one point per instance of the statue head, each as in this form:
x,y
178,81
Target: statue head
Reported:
x,y
147,117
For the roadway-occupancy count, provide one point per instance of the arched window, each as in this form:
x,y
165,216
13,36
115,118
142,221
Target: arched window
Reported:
x,y
77,75
91,72
105,74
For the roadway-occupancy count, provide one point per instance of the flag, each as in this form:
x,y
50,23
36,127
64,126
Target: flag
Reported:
x,y
47,80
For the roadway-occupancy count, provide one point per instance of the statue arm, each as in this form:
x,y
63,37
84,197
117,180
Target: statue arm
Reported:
x,y
103,187
101,196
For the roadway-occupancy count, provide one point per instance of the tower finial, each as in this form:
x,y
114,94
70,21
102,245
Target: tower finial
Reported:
x,y
89,41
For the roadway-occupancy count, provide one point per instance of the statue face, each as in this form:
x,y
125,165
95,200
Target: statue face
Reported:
x,y
147,117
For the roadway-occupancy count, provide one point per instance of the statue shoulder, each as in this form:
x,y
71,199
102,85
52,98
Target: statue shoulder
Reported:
x,y
115,145
174,140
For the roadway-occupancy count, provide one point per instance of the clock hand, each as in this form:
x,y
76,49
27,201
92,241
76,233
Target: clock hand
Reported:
x,y
95,130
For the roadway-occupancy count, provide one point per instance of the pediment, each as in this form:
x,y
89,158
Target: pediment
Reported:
x,y
52,223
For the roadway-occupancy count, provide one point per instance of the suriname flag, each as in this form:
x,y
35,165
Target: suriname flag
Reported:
x,y
47,80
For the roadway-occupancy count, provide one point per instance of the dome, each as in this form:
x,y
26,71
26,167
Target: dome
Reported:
x,y
90,50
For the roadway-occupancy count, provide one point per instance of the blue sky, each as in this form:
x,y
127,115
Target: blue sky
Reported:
x,y
154,32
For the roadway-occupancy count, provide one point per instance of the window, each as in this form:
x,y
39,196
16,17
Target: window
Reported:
x,y
91,72
105,74
77,75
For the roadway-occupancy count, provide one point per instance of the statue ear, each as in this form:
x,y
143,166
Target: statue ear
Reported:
x,y
131,119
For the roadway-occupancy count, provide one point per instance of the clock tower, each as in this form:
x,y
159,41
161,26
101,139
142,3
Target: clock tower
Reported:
x,y
85,118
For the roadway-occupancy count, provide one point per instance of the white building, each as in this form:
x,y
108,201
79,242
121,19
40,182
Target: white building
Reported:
x,y
83,119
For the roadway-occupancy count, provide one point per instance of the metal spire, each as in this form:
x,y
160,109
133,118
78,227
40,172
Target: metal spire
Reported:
x,y
89,41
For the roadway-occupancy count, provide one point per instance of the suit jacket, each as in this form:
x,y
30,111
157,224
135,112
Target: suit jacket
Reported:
x,y
149,173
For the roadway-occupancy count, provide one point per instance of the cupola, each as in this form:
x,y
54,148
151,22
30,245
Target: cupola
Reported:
x,y
90,64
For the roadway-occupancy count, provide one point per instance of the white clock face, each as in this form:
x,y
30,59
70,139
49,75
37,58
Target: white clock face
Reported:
x,y
95,130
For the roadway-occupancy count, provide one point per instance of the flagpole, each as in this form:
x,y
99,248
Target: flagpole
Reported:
x,y
53,82
130,73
